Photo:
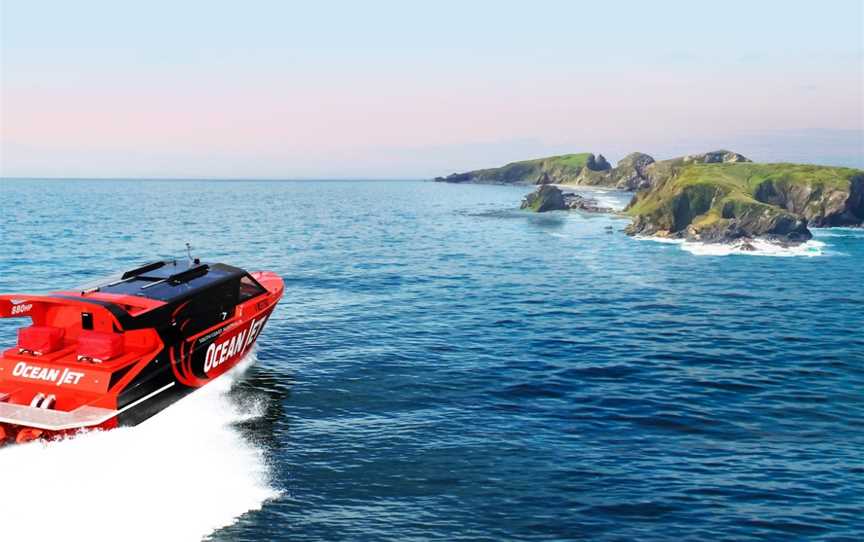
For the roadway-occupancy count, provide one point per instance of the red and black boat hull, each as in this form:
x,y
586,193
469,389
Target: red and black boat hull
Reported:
x,y
114,357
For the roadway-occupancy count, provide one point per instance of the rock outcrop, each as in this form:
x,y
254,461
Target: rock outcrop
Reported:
x,y
632,172
545,198
597,164
715,157
552,198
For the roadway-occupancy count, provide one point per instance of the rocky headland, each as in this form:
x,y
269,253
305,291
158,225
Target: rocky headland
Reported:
x,y
564,169
714,197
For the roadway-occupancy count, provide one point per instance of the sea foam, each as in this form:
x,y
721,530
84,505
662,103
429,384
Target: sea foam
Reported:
x,y
606,197
178,476
761,247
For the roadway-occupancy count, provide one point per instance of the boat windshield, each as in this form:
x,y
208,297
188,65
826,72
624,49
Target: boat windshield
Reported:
x,y
167,281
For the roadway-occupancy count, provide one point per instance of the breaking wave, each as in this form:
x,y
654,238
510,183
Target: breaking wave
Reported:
x,y
757,247
606,197
180,476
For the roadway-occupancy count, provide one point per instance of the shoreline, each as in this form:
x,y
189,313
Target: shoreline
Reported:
x,y
718,197
757,247
746,246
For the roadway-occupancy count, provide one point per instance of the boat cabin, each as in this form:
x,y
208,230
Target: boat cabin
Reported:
x,y
85,338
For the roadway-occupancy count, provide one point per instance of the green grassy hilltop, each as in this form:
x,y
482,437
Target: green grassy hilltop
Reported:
x,y
720,200
563,169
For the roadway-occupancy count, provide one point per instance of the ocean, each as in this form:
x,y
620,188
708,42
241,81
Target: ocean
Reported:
x,y
444,366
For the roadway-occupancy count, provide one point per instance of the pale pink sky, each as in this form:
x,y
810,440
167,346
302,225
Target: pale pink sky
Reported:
x,y
288,91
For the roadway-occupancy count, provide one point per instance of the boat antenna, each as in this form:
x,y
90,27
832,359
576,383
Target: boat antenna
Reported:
x,y
196,261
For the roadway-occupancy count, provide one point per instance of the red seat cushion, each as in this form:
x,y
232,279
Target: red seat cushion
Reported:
x,y
41,339
98,345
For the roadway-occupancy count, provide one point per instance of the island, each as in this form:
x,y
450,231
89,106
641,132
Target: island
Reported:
x,y
714,197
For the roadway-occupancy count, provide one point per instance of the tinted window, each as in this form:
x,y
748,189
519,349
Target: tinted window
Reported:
x,y
249,288
212,306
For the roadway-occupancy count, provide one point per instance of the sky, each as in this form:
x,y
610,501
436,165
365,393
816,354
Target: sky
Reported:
x,y
396,89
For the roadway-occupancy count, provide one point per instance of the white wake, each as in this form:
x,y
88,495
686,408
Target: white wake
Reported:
x,y
179,476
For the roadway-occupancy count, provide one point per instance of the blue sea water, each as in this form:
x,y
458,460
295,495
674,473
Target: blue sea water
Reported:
x,y
446,367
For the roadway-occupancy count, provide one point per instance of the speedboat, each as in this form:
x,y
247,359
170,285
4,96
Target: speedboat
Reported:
x,y
116,353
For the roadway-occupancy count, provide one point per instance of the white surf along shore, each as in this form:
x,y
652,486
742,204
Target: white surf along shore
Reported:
x,y
820,245
760,247
606,197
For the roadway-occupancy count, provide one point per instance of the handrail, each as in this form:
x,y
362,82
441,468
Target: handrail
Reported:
x,y
141,270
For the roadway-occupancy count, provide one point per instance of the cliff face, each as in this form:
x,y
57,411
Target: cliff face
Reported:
x,y
564,169
724,201
632,172
821,204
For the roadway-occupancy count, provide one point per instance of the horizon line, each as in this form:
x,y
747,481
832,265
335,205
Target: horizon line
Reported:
x,y
228,179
